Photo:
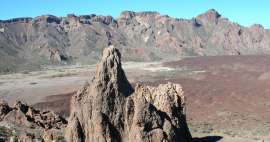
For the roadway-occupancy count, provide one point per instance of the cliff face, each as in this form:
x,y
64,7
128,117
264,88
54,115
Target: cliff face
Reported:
x,y
27,43
109,109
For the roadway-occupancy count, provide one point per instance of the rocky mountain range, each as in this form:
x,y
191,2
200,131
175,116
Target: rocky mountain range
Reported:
x,y
30,43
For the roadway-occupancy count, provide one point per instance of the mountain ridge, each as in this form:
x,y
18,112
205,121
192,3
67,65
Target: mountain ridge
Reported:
x,y
30,43
25,18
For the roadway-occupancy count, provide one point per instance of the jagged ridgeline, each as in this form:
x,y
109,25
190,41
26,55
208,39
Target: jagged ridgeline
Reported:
x,y
29,43
108,109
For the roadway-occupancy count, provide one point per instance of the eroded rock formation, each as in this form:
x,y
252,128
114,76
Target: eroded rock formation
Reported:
x,y
22,114
109,109
25,124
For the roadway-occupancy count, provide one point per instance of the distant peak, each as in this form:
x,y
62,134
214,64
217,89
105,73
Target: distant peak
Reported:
x,y
209,17
211,13
127,14
131,14
257,26
145,13
47,18
71,16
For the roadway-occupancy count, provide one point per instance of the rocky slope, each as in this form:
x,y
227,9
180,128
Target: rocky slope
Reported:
x,y
25,124
28,43
109,109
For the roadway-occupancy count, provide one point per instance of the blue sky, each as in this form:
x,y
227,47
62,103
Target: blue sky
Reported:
x,y
244,12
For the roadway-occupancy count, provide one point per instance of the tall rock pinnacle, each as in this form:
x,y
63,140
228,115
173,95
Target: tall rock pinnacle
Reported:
x,y
110,72
109,109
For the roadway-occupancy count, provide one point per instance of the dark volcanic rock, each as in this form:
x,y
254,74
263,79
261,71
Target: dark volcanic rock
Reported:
x,y
4,109
109,109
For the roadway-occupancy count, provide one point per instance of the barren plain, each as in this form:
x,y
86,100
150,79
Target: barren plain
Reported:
x,y
227,96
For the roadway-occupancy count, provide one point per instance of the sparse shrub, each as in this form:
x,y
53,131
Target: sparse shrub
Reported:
x,y
60,139
5,133
25,72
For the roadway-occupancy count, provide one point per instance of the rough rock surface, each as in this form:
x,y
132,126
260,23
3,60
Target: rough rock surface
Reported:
x,y
109,109
27,43
23,114
25,124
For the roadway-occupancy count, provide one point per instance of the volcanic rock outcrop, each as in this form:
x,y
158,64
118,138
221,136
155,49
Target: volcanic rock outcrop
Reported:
x,y
21,112
25,124
109,109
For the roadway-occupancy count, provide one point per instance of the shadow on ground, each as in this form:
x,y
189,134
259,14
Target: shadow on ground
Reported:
x,y
207,139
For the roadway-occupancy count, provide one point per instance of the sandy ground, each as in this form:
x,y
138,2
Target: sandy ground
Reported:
x,y
33,87
228,97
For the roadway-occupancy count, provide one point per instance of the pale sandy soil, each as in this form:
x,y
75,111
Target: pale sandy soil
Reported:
x,y
33,87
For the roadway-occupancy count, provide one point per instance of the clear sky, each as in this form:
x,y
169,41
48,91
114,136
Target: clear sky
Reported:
x,y
244,12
